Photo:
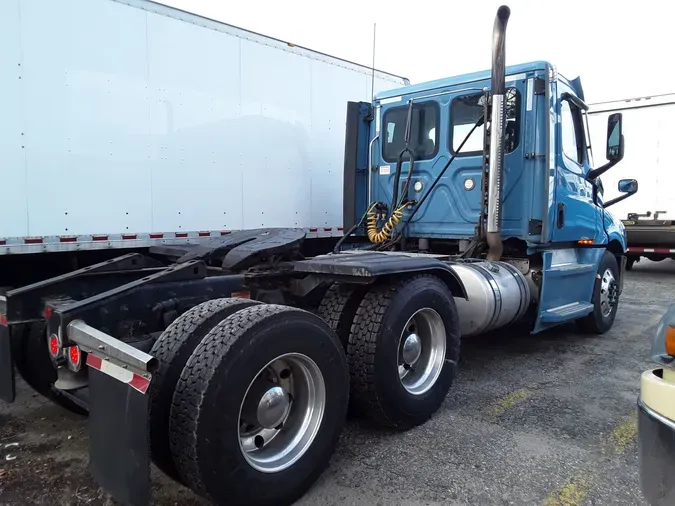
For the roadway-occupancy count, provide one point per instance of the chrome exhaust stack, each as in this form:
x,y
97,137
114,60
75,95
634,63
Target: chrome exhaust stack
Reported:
x,y
497,124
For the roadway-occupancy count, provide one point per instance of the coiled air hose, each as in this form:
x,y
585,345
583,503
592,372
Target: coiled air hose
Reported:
x,y
379,236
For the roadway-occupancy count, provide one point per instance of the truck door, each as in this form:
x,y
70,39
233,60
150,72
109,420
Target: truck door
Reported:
x,y
575,214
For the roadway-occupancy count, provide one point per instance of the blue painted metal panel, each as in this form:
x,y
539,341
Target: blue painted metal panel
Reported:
x,y
452,211
464,79
582,217
568,277
615,229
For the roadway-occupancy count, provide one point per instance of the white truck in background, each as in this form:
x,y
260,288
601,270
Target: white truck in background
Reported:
x,y
183,129
649,216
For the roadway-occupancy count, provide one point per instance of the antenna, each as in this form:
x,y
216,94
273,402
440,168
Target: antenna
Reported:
x,y
372,85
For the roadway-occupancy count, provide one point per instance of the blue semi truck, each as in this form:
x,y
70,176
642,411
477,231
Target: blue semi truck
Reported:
x,y
470,204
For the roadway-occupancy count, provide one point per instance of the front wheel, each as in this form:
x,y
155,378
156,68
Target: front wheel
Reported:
x,y
259,407
605,297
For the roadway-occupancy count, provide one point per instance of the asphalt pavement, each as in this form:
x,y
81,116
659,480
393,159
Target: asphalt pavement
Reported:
x,y
544,420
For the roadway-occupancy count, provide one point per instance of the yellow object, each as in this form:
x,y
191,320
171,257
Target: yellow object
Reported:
x,y
508,401
670,340
658,393
379,236
571,494
585,242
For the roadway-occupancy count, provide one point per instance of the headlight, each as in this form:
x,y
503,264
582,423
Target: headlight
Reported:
x,y
663,347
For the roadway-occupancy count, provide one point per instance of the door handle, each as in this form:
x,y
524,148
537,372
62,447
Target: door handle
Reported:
x,y
561,214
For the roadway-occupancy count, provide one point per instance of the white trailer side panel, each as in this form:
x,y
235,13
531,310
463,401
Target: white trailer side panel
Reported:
x,y
132,122
649,157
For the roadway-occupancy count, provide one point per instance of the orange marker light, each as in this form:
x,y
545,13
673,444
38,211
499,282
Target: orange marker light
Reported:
x,y
670,340
585,242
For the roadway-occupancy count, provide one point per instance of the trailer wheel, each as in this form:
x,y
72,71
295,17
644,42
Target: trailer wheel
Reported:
x,y
605,298
338,308
36,368
403,350
259,407
172,351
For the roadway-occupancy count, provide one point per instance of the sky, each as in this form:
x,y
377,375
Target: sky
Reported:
x,y
618,48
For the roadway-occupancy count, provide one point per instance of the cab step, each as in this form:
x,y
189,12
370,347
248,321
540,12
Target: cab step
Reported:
x,y
566,312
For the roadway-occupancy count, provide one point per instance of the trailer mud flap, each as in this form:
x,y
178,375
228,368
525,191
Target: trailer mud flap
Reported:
x,y
119,378
119,455
7,385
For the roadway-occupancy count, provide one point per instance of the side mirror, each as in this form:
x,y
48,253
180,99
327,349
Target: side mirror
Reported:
x,y
626,186
614,138
614,151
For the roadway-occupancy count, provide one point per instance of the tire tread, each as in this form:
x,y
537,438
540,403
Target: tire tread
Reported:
x,y
172,351
362,347
197,375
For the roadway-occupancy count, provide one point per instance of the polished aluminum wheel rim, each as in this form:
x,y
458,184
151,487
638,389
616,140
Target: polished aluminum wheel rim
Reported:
x,y
608,294
281,412
421,351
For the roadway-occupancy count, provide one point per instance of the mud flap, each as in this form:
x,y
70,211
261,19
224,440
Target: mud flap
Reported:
x,y
119,455
7,385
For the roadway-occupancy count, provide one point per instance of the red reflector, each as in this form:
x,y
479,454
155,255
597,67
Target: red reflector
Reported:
x,y
48,312
314,229
225,232
67,239
204,234
128,236
241,295
3,320
54,345
99,238
33,240
327,229
156,236
181,234
2,242
74,355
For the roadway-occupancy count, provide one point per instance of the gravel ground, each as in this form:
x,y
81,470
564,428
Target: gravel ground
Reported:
x,y
532,420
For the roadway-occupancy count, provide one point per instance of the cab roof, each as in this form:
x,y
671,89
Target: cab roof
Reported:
x,y
447,82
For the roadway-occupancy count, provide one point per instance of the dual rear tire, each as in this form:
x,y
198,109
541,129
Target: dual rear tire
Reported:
x,y
402,340
249,399
250,403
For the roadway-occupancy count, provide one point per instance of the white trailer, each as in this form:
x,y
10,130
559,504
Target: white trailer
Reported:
x,y
172,129
649,215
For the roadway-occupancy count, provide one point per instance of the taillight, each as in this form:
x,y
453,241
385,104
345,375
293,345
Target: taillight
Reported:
x,y
3,320
74,358
55,349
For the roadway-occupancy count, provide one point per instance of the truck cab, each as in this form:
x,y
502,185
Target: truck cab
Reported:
x,y
429,142
548,196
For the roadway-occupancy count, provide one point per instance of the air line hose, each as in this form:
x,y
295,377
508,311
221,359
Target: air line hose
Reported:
x,y
379,236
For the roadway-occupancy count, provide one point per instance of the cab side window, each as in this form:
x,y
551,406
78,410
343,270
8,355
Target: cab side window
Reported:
x,y
424,131
465,112
572,132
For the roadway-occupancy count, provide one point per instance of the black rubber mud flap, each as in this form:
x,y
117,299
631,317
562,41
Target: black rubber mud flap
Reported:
x,y
119,455
7,385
